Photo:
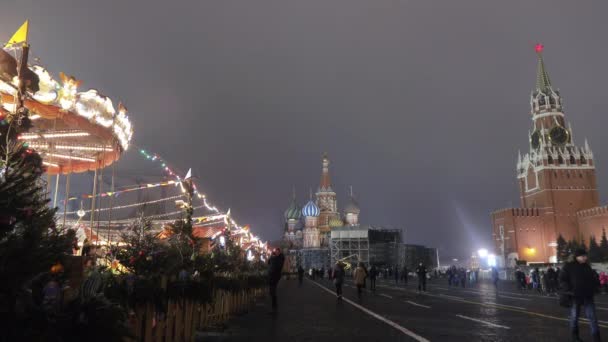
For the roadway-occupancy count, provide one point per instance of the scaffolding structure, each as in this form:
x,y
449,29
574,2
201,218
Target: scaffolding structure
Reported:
x,y
350,242
316,258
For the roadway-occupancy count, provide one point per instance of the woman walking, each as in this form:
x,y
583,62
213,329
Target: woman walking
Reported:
x,y
360,275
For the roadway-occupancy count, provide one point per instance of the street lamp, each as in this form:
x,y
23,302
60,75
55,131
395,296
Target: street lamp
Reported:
x,y
491,260
483,253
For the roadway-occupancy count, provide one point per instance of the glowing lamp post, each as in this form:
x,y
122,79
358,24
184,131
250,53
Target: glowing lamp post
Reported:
x,y
491,260
483,253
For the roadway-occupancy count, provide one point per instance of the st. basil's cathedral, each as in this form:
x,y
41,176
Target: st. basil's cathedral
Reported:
x,y
308,229
557,185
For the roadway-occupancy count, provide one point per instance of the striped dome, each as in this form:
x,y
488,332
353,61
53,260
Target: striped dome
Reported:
x,y
293,212
336,222
311,210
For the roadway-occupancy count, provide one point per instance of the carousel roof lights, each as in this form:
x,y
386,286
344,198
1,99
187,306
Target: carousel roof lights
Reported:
x,y
106,128
63,156
38,145
83,148
31,136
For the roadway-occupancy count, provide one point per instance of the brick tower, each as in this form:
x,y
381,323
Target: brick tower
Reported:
x,y
556,180
327,203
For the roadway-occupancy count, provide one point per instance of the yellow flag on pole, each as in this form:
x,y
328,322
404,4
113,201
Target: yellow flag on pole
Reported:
x,y
20,36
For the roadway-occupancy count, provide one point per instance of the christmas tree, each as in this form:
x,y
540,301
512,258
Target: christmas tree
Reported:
x,y
30,242
595,253
562,249
604,246
143,254
33,301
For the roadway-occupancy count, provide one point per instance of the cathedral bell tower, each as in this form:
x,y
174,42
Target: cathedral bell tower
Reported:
x,y
326,201
555,173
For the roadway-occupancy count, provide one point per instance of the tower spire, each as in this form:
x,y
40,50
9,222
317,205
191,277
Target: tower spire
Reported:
x,y
543,82
325,180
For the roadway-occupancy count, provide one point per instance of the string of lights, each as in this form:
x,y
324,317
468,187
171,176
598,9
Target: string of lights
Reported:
x,y
126,205
154,157
129,188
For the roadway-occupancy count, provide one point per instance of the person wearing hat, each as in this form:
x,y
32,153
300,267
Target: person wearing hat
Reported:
x,y
579,283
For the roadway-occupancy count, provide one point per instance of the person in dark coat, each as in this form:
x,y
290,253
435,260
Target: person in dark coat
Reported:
x,y
579,283
520,276
396,275
275,267
339,278
551,280
300,274
373,274
421,272
495,277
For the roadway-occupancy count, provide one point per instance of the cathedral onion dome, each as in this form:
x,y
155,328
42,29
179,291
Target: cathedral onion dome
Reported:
x,y
336,222
293,212
311,210
352,207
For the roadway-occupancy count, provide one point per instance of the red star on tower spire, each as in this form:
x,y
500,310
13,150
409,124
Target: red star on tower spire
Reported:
x,y
539,48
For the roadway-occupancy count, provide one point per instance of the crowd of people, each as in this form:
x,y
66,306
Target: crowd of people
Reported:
x,y
575,284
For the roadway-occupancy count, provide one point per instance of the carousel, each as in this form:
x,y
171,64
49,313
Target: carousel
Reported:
x,y
74,131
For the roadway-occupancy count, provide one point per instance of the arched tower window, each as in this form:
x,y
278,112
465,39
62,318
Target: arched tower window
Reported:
x,y
560,160
583,160
541,100
550,160
572,160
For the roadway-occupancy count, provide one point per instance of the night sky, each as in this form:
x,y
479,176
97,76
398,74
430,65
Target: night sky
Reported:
x,y
421,105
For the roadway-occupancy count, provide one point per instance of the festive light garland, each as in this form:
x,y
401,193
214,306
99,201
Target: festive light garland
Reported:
x,y
126,205
154,157
129,189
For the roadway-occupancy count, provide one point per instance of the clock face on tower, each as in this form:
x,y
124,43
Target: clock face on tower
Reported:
x,y
559,135
535,139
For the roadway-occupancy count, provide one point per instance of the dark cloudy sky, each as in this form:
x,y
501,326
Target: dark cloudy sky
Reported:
x,y
421,104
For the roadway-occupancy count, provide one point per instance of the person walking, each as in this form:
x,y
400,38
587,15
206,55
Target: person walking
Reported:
x,y
520,276
404,274
359,277
551,280
421,272
396,275
495,277
275,267
579,283
536,280
338,274
373,274
300,275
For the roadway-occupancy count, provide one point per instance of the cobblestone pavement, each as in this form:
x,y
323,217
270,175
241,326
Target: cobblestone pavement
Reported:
x,y
398,312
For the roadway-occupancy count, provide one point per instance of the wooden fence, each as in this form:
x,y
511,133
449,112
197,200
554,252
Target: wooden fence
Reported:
x,y
184,317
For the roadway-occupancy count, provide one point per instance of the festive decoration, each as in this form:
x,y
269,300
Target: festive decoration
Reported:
x,y
57,268
19,37
127,205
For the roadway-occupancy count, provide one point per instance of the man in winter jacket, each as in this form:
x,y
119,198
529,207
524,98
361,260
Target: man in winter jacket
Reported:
x,y
421,272
579,281
339,278
275,267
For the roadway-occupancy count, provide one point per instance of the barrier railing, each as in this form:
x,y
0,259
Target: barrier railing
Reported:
x,y
183,317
